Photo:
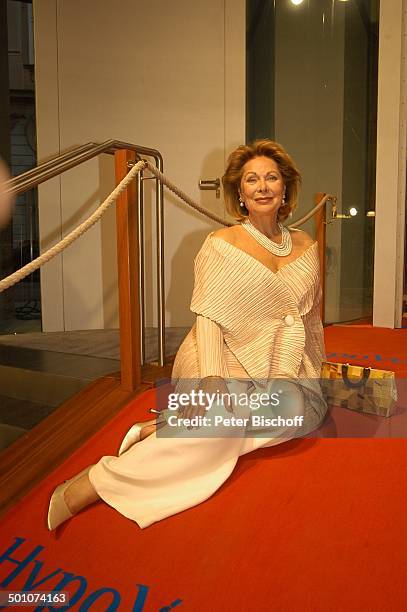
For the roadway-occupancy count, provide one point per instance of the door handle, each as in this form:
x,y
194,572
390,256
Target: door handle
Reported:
x,y
211,184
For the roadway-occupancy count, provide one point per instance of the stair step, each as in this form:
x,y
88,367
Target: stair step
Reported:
x,y
9,434
48,377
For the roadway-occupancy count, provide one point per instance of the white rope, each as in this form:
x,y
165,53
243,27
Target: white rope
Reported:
x,y
78,231
321,203
183,196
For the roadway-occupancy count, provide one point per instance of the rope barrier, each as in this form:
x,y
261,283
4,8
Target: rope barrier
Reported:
x,y
14,278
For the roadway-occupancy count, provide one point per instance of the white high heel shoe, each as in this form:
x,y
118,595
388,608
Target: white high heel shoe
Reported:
x,y
134,434
58,511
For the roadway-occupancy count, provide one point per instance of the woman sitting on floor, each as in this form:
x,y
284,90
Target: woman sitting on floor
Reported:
x,y
258,329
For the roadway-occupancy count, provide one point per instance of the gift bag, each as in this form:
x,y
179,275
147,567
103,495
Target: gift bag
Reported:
x,y
359,388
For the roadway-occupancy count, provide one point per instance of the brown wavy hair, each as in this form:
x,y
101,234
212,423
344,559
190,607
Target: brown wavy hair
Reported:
x,y
234,170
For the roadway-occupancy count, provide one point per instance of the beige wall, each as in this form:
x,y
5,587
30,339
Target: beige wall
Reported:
x,y
167,76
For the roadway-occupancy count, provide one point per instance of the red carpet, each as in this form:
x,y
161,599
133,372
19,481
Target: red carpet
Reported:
x,y
315,524
366,345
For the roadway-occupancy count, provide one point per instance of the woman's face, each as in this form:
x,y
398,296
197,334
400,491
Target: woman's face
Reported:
x,y
262,186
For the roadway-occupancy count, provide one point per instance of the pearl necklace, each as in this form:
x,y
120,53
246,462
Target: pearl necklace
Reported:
x,y
281,250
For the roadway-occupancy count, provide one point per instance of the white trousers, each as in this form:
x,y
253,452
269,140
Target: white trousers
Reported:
x,y
161,476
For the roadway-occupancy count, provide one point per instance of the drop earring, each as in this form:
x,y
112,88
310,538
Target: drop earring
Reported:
x,y
241,203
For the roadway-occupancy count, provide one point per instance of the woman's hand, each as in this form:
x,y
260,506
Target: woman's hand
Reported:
x,y
209,385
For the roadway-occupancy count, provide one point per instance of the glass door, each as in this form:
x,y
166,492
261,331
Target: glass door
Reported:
x,y
312,86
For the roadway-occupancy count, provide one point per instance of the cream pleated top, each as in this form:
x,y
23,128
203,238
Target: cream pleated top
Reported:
x,y
252,322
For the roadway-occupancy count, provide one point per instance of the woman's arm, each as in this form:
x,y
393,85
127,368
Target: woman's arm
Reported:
x,y
210,341
212,366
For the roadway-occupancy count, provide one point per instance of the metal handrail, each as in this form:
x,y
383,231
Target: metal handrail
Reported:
x,y
50,162
76,156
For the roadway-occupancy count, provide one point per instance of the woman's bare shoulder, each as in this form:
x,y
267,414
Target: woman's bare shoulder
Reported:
x,y
301,238
229,234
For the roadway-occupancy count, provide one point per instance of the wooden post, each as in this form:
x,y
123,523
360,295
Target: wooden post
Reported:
x,y
128,276
320,219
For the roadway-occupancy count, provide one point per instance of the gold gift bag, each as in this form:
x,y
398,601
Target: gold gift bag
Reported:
x,y
359,388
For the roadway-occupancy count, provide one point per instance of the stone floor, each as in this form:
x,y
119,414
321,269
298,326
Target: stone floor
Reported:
x,y
22,413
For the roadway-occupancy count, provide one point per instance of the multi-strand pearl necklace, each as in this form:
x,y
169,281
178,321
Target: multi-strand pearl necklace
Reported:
x,y
280,250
